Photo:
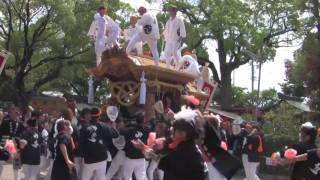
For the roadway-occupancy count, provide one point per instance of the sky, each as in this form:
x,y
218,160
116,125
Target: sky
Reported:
x,y
272,74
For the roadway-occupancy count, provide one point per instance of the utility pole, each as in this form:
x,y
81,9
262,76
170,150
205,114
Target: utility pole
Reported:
x,y
259,59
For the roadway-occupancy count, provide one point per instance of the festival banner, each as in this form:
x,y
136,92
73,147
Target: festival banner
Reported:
x,y
4,55
208,88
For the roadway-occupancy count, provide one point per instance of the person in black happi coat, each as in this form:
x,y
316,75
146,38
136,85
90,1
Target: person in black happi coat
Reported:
x,y
63,164
184,160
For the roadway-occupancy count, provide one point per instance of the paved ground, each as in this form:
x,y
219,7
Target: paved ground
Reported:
x,y
8,175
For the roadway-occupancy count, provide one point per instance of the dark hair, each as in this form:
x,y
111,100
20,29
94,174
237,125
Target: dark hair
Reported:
x,y
310,131
101,8
104,118
140,119
188,127
84,112
66,113
61,125
95,113
32,123
36,113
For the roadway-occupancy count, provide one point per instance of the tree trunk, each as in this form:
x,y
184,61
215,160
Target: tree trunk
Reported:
x,y
225,70
226,89
21,97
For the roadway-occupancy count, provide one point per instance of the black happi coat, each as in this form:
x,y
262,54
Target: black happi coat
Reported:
x,y
224,162
94,138
251,147
30,154
183,163
60,170
300,169
313,165
11,129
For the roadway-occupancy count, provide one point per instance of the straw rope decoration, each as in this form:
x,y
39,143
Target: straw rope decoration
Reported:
x,y
126,92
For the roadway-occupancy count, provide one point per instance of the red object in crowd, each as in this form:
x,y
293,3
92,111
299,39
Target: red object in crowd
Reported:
x,y
11,147
274,156
290,154
224,146
193,100
175,143
151,139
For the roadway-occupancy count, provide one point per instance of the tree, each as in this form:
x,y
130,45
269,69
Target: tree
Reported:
x,y
47,39
283,120
303,75
243,98
312,20
237,26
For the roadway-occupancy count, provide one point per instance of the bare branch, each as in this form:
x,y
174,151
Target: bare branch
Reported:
x,y
56,58
199,42
203,60
51,75
17,11
272,35
41,28
3,30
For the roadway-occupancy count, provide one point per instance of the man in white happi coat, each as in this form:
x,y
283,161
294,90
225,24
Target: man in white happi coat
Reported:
x,y
148,33
104,32
173,33
130,32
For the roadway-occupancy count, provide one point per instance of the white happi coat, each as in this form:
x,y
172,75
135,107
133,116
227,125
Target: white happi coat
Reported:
x,y
174,30
148,19
150,38
128,35
104,32
189,65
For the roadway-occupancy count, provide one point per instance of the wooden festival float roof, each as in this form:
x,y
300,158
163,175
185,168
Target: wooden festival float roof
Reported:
x,y
117,66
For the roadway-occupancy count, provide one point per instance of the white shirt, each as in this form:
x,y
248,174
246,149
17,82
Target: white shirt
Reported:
x,y
174,29
148,19
130,32
100,26
190,65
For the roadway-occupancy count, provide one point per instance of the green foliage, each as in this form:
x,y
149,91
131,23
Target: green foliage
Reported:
x,y
49,46
237,26
303,75
242,98
283,120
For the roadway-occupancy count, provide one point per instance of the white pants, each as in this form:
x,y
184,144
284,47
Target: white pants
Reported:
x,y
171,51
112,40
31,172
250,168
214,174
2,163
100,47
97,169
136,166
16,172
50,169
152,43
116,164
44,164
152,167
79,166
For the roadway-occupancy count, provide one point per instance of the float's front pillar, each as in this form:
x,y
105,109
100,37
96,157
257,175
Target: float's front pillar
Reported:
x,y
151,99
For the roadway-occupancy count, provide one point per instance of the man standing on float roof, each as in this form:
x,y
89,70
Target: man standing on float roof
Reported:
x,y
148,33
130,32
103,31
173,33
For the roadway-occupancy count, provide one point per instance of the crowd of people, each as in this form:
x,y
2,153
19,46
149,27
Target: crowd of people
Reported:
x,y
187,145
90,145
